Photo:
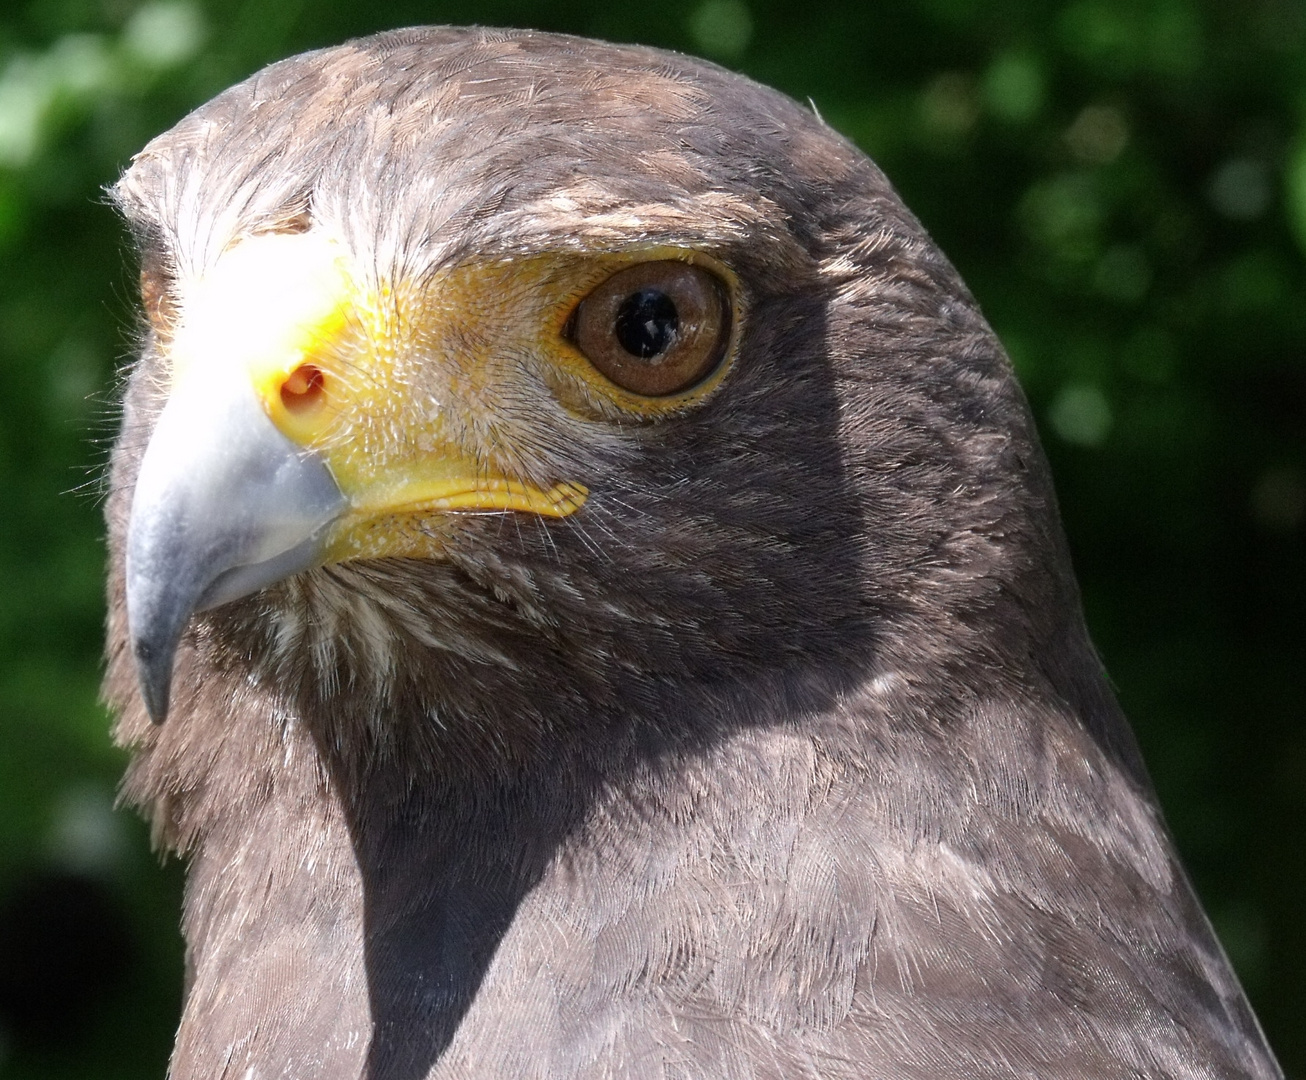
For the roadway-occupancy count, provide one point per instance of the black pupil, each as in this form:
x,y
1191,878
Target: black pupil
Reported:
x,y
647,322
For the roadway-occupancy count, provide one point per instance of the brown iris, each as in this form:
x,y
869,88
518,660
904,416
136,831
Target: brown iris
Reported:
x,y
656,328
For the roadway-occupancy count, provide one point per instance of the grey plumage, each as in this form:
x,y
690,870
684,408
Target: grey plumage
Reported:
x,y
787,756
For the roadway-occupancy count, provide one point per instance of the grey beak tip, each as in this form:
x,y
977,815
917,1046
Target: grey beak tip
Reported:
x,y
154,667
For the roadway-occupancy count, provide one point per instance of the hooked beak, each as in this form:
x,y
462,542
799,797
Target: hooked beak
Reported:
x,y
225,504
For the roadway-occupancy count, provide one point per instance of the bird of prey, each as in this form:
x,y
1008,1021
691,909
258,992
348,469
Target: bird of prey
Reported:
x,y
608,605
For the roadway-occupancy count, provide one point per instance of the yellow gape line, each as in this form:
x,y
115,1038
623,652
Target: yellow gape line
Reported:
x,y
487,494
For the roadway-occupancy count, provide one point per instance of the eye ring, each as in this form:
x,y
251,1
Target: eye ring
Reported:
x,y
655,329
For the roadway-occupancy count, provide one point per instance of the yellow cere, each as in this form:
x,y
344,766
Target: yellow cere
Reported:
x,y
421,397
270,304
363,374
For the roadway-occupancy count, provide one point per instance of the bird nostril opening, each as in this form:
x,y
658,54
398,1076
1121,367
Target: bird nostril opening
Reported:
x,y
303,389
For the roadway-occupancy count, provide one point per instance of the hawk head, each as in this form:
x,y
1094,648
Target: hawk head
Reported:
x,y
522,378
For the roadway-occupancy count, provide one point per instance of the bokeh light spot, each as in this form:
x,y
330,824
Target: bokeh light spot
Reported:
x,y
949,105
1013,87
1279,499
1240,189
164,34
722,28
1098,135
1081,415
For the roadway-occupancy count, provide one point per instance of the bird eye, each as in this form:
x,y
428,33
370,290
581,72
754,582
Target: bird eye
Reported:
x,y
656,328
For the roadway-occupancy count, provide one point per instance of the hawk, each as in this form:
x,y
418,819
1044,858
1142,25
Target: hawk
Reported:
x,y
608,604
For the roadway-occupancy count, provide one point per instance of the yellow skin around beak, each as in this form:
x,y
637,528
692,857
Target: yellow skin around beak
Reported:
x,y
331,361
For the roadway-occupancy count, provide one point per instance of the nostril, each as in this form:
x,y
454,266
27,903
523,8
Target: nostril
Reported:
x,y
303,389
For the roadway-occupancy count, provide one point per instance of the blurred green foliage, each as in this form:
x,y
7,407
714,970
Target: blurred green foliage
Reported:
x,y
1123,185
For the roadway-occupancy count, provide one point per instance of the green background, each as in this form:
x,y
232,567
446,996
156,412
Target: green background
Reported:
x,y
1123,185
